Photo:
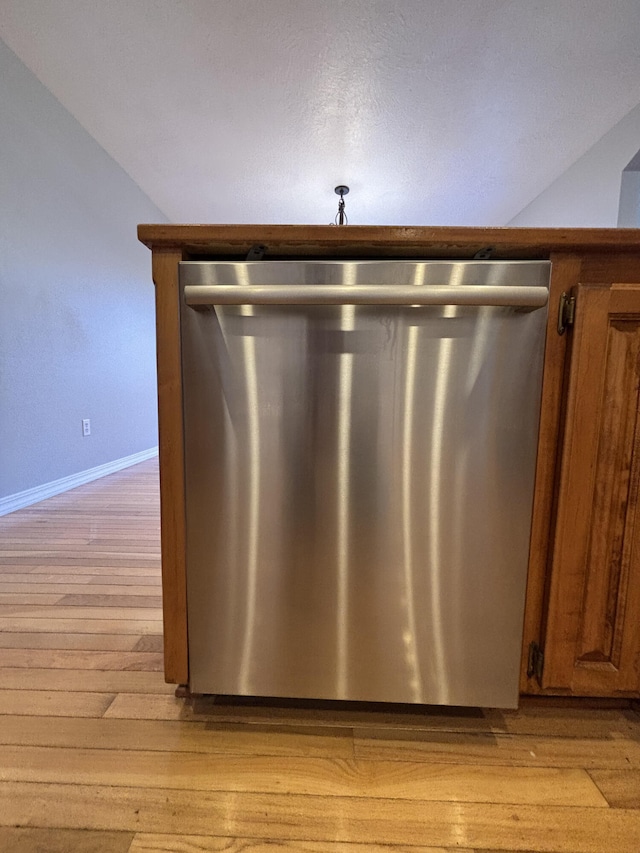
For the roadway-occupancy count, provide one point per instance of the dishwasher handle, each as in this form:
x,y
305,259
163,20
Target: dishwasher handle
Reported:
x,y
526,297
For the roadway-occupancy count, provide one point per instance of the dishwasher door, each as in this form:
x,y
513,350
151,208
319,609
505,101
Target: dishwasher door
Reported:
x,y
360,442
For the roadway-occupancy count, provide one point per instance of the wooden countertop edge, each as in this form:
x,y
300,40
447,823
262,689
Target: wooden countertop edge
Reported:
x,y
312,238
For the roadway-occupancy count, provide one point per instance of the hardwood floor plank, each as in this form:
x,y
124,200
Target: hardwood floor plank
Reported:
x,y
131,706
77,562
150,643
76,553
333,778
150,843
89,642
565,722
30,598
80,541
151,580
195,737
46,703
123,600
57,515
46,517
83,679
16,611
89,532
79,659
99,568
457,748
621,788
30,840
84,580
80,626
551,829
61,589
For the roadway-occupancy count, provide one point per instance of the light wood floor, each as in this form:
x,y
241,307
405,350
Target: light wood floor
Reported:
x,y
96,754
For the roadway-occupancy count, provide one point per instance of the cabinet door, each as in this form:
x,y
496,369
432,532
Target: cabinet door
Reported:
x,y
592,641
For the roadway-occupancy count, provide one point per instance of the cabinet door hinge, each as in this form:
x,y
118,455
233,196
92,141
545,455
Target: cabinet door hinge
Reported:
x,y
535,663
566,312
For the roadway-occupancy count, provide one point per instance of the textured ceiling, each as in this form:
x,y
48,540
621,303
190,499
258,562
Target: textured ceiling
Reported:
x,y
443,112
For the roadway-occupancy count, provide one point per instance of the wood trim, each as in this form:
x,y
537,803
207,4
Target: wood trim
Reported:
x,y
393,241
565,273
625,299
171,453
610,266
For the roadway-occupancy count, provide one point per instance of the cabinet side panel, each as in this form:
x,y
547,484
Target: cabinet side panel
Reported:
x,y
171,452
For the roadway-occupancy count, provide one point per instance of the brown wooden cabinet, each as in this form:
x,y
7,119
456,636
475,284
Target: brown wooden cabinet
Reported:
x,y
592,630
583,595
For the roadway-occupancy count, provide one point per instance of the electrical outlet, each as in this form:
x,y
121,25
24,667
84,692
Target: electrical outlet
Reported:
x,y
86,426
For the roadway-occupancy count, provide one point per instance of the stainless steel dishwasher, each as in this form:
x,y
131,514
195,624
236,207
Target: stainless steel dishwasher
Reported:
x,y
360,442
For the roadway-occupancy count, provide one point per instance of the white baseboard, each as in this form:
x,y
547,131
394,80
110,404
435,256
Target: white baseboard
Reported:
x,y
40,493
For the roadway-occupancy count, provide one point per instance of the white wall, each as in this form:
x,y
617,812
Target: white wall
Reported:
x,y
588,193
629,210
76,297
